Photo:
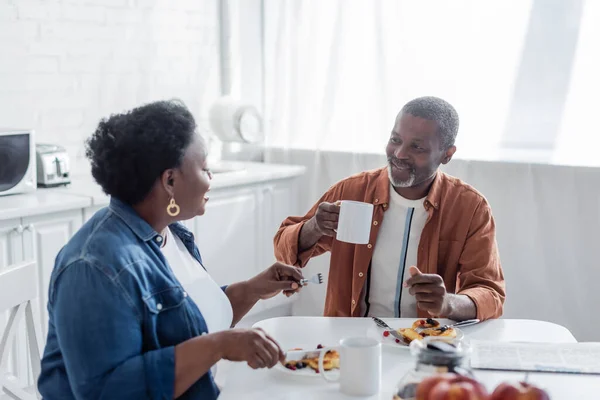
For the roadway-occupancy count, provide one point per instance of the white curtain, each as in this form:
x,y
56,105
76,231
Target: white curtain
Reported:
x,y
523,74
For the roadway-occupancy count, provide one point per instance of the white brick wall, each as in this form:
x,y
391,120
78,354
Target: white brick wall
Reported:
x,y
64,64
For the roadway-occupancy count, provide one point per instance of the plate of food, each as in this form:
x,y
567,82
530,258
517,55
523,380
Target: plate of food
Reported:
x,y
305,363
419,330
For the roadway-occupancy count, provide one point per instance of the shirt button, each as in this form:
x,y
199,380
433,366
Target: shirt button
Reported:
x,y
369,246
159,306
159,239
376,201
385,205
360,274
375,222
353,302
184,294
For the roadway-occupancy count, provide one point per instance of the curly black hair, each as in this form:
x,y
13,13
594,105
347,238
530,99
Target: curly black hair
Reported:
x,y
130,151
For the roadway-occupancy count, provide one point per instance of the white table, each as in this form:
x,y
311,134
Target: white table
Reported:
x,y
244,383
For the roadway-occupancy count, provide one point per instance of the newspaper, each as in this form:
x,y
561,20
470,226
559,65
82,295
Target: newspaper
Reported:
x,y
577,358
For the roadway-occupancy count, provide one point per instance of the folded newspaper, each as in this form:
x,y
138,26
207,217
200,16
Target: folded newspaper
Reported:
x,y
576,358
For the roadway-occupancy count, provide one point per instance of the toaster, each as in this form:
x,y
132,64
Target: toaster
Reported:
x,y
52,165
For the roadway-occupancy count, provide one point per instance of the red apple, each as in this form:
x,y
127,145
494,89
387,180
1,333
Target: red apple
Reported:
x,y
425,386
450,387
518,391
457,391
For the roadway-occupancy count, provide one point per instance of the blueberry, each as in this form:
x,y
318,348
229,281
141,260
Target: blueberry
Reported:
x,y
319,346
300,365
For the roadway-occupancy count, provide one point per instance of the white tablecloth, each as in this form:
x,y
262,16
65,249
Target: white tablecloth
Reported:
x,y
245,383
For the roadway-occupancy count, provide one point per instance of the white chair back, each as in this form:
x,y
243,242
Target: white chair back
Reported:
x,y
17,290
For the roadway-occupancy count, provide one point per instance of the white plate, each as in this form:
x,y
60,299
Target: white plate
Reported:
x,y
307,372
390,341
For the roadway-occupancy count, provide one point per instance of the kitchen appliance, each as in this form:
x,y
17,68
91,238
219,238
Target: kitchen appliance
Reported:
x,y
236,123
53,167
237,131
17,161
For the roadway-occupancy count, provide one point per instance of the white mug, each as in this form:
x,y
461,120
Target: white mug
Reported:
x,y
360,366
354,224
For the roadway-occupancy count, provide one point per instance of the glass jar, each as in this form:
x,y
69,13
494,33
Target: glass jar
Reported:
x,y
432,356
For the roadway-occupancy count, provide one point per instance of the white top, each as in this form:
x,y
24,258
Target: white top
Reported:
x,y
395,251
208,296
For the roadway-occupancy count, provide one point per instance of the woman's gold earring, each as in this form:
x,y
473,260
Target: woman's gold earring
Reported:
x,y
173,208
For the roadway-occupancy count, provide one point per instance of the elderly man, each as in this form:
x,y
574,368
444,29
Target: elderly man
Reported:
x,y
432,249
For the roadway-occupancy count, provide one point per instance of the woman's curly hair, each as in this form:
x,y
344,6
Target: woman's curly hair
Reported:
x,y
130,151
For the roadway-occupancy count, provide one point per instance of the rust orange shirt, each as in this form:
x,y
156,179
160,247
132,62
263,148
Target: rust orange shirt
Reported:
x,y
458,242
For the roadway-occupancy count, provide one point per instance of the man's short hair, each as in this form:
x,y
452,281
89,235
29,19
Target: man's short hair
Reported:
x,y
438,110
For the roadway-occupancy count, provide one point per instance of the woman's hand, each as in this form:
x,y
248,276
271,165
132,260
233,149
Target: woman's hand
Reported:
x,y
278,277
195,357
254,346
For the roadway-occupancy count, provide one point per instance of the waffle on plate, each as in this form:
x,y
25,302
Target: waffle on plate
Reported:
x,y
331,360
422,328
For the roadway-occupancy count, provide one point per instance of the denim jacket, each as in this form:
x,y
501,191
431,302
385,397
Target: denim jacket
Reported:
x,y
116,312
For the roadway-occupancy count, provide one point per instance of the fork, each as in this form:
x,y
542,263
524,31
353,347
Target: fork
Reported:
x,y
317,279
457,324
380,323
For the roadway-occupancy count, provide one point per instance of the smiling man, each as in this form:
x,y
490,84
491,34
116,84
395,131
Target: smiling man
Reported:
x,y
432,249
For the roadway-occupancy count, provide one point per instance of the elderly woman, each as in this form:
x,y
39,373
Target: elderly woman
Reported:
x,y
133,313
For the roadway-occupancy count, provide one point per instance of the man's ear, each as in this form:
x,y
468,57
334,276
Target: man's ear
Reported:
x,y
166,179
448,155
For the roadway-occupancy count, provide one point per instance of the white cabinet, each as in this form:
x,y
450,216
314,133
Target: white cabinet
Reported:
x,y
235,235
11,242
44,236
228,236
11,252
35,238
278,201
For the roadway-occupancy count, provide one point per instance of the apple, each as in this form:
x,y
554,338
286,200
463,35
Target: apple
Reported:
x,y
429,383
450,387
457,391
518,391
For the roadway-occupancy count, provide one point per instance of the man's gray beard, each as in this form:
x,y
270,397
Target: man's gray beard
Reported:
x,y
401,184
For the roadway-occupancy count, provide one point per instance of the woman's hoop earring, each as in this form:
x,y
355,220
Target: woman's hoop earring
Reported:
x,y
173,208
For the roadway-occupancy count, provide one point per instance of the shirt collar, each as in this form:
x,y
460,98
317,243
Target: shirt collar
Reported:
x,y
434,196
177,228
141,228
382,189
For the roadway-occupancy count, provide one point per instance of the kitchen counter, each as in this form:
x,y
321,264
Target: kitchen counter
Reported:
x,y
84,191
225,175
43,201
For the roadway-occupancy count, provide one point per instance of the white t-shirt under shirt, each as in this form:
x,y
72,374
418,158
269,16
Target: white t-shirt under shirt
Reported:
x,y
208,296
395,251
